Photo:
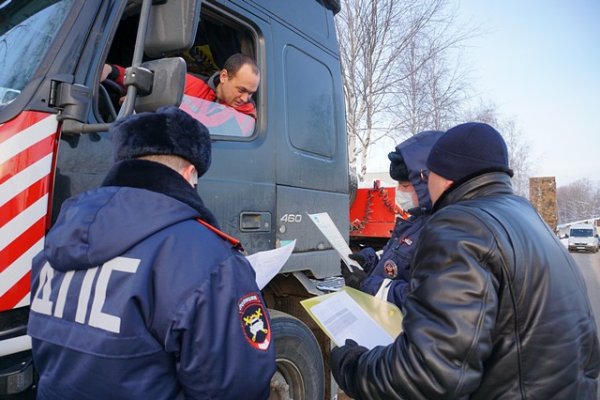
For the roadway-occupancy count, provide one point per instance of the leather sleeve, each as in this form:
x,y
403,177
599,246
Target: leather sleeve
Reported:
x,y
449,317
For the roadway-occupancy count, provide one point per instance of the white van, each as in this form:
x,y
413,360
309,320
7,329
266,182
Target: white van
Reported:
x,y
583,237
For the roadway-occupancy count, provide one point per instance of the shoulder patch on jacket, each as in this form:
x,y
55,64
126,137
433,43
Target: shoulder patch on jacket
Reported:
x,y
390,269
254,321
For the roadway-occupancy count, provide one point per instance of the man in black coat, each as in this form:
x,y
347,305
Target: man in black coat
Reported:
x,y
497,307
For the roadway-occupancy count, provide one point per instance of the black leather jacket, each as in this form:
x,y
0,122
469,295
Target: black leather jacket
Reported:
x,y
498,309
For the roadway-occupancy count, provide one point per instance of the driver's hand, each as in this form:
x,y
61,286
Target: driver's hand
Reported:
x,y
106,70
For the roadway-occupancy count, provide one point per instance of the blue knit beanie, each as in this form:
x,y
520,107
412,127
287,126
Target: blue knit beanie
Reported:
x,y
168,131
468,150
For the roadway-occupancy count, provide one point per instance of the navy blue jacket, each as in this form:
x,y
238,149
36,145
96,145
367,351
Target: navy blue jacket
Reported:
x,y
133,298
389,274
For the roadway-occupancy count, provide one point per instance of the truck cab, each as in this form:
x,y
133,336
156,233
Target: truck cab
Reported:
x,y
267,174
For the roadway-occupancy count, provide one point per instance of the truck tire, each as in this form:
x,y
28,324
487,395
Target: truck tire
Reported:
x,y
300,371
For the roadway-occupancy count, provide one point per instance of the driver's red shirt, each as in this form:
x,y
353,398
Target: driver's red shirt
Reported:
x,y
196,87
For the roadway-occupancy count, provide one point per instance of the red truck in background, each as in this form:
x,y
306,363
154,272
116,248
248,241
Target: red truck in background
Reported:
x,y
373,214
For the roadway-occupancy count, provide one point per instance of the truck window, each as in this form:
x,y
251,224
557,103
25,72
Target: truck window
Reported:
x,y
26,31
309,92
218,37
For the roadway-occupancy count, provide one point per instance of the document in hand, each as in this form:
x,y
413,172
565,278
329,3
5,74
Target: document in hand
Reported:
x,y
325,224
352,314
267,264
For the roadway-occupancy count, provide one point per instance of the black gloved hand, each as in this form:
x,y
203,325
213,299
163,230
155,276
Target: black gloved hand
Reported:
x,y
359,258
366,258
343,362
354,278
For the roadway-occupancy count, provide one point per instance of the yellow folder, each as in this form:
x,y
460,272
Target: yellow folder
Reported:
x,y
352,314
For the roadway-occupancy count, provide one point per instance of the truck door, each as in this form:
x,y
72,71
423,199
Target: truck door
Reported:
x,y
240,185
311,156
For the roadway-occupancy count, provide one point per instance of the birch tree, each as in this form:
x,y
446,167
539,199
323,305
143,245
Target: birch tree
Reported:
x,y
577,201
390,50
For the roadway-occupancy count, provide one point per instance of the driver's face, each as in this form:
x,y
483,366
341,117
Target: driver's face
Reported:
x,y
238,89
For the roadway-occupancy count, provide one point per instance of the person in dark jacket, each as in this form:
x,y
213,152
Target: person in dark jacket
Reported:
x,y
497,308
137,294
387,276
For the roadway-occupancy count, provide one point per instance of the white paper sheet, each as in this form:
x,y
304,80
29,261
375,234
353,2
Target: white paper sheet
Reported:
x,y
268,263
344,319
332,234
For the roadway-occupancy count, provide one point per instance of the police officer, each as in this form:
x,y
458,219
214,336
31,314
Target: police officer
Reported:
x,y
387,276
137,294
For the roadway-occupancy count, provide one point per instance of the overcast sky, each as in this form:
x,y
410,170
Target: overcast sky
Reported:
x,y
538,61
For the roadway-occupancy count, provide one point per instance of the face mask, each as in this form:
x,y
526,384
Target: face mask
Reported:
x,y
404,200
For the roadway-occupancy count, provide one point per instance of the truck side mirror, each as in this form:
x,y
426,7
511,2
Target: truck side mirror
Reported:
x,y
172,27
167,84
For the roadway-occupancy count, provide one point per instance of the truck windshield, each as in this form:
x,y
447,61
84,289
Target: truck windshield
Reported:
x,y
582,232
27,28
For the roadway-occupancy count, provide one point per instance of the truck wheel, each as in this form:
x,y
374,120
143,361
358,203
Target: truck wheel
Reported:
x,y
300,372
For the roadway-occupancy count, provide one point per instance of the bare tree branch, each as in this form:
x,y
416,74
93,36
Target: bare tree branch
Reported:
x,y
577,201
396,81
518,148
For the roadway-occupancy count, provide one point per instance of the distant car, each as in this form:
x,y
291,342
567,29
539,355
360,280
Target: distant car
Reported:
x,y
583,237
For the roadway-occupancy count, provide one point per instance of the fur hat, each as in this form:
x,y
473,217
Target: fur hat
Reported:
x,y
168,131
468,150
398,168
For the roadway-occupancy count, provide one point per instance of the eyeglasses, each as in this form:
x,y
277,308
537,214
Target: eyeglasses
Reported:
x,y
424,173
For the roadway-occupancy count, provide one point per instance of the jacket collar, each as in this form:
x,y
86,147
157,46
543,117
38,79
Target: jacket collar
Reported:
x,y
214,81
481,185
153,176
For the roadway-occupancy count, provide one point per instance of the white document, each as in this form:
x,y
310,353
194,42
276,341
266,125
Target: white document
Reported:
x,y
342,318
268,263
332,234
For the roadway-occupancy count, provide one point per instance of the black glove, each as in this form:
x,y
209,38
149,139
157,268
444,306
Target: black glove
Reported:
x,y
343,362
366,258
359,258
354,278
